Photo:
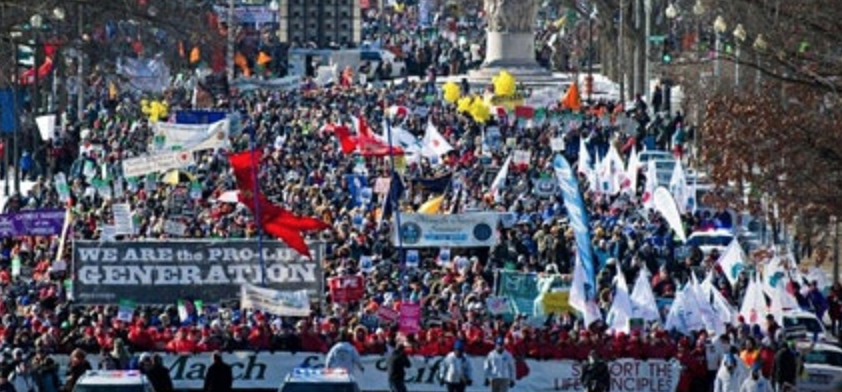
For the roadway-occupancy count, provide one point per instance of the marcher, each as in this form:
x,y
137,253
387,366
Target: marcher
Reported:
x,y
156,372
45,371
396,368
343,355
78,366
220,376
22,378
730,375
499,368
756,383
595,375
786,368
455,372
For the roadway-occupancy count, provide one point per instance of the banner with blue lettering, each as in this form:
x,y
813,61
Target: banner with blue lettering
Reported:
x,y
578,215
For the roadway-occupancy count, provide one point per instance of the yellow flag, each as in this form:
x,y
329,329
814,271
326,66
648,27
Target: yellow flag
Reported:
x,y
112,91
432,206
263,58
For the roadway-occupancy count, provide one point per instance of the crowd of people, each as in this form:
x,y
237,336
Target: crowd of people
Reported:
x,y
304,169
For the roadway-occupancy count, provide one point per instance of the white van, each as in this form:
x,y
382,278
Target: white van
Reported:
x,y
113,381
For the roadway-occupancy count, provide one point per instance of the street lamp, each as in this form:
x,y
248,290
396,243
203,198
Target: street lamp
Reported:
x,y
672,11
719,28
739,38
760,46
699,8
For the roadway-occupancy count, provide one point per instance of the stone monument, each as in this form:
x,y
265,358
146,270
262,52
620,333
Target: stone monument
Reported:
x,y
510,43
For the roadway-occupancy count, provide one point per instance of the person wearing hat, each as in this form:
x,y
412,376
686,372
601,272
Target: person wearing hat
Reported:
x,y
730,375
595,375
455,371
396,368
756,382
499,368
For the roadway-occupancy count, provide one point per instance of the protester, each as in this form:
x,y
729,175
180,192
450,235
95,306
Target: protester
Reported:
x,y
756,382
78,366
220,376
456,372
343,355
500,368
159,375
396,368
786,368
595,374
731,374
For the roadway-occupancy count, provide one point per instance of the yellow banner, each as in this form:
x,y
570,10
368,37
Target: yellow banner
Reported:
x,y
556,302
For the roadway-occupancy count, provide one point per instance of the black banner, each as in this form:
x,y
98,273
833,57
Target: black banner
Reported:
x,y
162,272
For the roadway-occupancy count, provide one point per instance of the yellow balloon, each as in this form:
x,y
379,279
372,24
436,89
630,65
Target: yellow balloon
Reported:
x,y
480,111
452,92
504,84
464,104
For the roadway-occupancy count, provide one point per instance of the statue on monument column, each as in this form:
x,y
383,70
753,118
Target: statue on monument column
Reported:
x,y
511,16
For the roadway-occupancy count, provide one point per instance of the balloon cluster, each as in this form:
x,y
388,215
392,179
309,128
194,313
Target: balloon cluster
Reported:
x,y
504,84
154,110
475,107
452,92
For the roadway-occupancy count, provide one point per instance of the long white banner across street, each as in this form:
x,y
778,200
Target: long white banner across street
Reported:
x,y
448,231
267,371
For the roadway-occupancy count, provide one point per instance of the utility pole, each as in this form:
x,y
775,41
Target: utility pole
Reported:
x,y
647,66
620,54
230,47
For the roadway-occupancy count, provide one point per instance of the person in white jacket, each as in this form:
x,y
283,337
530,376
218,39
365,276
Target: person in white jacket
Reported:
x,y
343,355
455,371
499,368
756,383
731,374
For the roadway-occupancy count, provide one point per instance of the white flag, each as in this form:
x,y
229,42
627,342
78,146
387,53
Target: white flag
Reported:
x,y
500,180
723,310
584,165
46,126
753,308
678,187
620,314
578,293
732,262
631,172
434,143
665,204
683,316
702,303
643,301
648,197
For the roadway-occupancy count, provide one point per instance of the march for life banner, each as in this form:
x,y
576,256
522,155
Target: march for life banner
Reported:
x,y
470,230
194,137
276,302
266,371
156,163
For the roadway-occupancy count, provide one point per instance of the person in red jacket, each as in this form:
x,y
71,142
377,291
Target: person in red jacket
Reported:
x,y
259,338
182,344
139,337
766,357
635,347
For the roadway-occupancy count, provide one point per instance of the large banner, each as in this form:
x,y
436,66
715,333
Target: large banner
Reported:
x,y
156,163
193,137
162,272
448,231
279,303
32,222
267,371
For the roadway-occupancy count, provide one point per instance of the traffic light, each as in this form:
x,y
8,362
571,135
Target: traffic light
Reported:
x,y
666,56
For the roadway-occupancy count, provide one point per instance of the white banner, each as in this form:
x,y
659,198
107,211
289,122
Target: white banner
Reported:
x,y
280,303
448,231
145,74
195,137
141,166
46,126
266,371
287,83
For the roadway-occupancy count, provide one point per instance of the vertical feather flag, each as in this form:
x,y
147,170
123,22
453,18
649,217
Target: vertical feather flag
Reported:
x,y
620,314
391,200
500,180
648,196
732,262
274,220
584,165
678,187
643,301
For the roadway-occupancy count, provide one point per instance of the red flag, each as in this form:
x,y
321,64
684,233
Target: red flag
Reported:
x,y
345,139
371,146
275,220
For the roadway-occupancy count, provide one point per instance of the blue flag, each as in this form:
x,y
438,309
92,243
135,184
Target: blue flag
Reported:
x,y
578,216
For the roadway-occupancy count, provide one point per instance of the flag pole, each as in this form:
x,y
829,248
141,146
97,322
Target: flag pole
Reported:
x,y
396,208
255,167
